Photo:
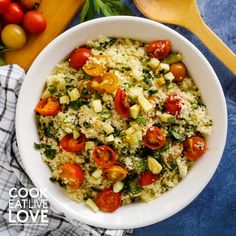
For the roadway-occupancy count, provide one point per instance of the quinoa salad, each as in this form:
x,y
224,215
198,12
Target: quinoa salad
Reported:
x,y
121,121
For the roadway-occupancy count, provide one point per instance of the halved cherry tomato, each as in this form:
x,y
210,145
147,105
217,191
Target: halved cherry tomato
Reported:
x,y
79,57
173,104
106,83
69,144
194,147
107,200
13,14
104,156
154,138
85,89
3,5
115,173
158,49
179,71
94,69
34,22
122,103
71,174
147,178
48,106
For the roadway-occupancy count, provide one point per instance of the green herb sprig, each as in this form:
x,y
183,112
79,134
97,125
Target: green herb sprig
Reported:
x,y
105,7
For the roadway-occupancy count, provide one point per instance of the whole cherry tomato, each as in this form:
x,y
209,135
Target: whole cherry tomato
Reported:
x,y
173,104
121,103
71,174
79,57
34,22
147,178
158,49
14,13
194,147
30,4
13,36
3,5
69,144
104,156
48,106
154,138
107,200
179,71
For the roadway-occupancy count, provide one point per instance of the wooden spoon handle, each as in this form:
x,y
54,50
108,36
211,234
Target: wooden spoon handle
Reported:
x,y
213,42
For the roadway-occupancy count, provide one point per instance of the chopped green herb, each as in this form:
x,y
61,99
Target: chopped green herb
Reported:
x,y
87,125
50,153
51,90
105,115
141,120
106,44
151,92
53,179
78,103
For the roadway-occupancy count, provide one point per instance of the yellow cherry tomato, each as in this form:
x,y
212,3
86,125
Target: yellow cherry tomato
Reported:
x,y
13,36
115,173
106,83
94,69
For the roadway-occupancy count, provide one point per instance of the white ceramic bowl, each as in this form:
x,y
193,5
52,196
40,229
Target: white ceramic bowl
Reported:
x,y
139,214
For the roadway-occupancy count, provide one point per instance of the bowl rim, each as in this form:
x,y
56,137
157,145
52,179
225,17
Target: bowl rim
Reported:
x,y
42,54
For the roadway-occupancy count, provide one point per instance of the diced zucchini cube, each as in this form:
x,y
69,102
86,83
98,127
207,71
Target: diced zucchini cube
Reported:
x,y
97,105
76,133
160,81
129,131
134,92
97,173
108,128
167,118
134,111
64,99
74,94
110,138
144,103
153,165
163,68
89,202
118,186
153,63
90,145
169,77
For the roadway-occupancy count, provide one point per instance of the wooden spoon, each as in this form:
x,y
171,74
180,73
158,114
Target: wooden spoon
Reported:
x,y
186,14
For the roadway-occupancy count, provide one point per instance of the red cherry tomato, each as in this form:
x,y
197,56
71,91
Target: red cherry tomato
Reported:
x,y
71,174
121,103
154,138
173,104
159,49
34,22
194,147
30,4
48,106
69,144
13,14
104,156
147,178
3,5
79,57
107,200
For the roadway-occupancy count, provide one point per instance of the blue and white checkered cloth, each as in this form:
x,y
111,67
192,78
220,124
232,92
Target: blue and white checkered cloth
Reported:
x,y
12,174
